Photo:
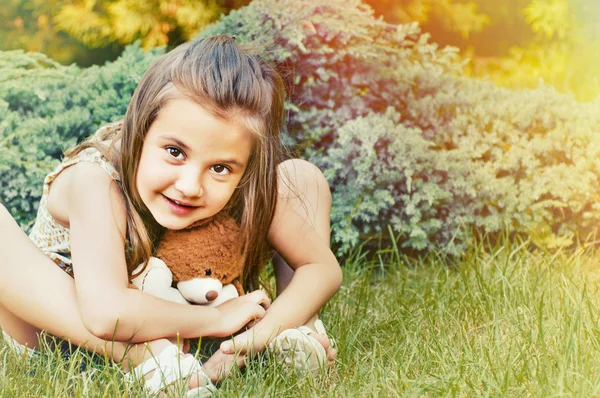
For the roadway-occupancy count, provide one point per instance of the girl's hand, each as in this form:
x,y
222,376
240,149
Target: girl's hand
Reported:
x,y
239,312
252,341
223,361
220,365
246,343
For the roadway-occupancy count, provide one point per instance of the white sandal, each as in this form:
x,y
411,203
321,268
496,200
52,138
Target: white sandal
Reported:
x,y
169,367
297,351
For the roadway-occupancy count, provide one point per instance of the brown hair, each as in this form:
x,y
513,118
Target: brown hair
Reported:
x,y
231,81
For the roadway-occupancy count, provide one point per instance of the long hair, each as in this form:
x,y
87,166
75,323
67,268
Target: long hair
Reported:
x,y
233,82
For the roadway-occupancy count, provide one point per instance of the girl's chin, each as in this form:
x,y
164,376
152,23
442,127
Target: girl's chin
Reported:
x,y
177,224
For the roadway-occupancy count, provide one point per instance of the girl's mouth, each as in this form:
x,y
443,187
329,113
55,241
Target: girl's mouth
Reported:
x,y
179,208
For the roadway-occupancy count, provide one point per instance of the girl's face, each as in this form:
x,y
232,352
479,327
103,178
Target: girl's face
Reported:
x,y
191,163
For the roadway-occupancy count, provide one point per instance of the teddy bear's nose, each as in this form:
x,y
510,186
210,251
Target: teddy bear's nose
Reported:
x,y
210,296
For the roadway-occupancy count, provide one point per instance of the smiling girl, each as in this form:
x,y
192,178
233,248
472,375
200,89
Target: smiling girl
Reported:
x,y
200,136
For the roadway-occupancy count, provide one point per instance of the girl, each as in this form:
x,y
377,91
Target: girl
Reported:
x,y
201,135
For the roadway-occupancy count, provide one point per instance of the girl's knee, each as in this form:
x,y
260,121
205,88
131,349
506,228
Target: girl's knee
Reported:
x,y
304,176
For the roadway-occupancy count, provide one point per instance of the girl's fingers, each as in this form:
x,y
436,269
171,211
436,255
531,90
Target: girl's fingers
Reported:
x,y
220,365
257,315
260,298
237,345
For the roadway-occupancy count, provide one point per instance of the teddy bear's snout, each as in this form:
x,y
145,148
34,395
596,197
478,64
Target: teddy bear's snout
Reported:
x,y
201,290
207,291
210,296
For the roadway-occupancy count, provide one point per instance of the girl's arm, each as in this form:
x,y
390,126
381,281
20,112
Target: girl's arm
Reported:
x,y
109,309
316,278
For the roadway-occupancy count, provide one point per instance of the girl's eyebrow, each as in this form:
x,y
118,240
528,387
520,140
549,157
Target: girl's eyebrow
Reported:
x,y
231,161
187,149
176,141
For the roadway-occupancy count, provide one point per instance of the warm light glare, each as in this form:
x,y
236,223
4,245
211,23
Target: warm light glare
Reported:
x,y
515,43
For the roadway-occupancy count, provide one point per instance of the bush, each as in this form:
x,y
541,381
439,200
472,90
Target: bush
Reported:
x,y
404,139
407,141
46,108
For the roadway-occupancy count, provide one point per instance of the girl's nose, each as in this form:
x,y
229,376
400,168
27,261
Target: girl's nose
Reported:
x,y
189,185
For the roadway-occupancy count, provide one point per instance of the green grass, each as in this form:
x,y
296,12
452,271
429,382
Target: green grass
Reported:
x,y
501,322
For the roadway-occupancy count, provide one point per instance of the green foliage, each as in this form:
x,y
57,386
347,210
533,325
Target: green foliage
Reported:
x,y
461,16
29,25
406,141
515,43
526,162
339,70
379,176
403,138
101,22
46,107
91,32
558,47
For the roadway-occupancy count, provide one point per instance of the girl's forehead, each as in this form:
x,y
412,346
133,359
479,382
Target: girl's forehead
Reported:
x,y
191,126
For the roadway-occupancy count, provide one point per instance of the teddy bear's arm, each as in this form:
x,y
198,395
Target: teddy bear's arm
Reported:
x,y
156,279
238,286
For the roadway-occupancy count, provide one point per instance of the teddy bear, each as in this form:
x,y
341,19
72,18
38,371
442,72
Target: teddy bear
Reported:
x,y
203,262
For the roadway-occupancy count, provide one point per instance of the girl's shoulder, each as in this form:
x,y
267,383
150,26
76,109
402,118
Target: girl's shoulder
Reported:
x,y
86,172
92,155
108,131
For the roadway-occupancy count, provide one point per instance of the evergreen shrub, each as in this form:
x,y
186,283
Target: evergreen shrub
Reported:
x,y
407,141
404,138
46,108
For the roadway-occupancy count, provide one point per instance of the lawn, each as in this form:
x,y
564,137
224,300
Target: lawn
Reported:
x,y
501,321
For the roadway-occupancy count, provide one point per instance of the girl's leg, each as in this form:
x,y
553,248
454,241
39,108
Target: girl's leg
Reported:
x,y
304,186
19,331
35,295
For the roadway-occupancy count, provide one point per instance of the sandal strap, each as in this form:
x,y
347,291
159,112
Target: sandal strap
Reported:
x,y
320,329
306,330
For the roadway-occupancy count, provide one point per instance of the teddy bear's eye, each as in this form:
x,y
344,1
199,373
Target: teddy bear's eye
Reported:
x,y
208,272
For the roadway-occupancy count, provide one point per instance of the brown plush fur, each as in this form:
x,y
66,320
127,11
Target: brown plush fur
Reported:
x,y
207,249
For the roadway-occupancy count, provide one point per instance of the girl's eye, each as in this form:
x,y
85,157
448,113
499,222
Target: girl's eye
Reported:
x,y
221,169
175,152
